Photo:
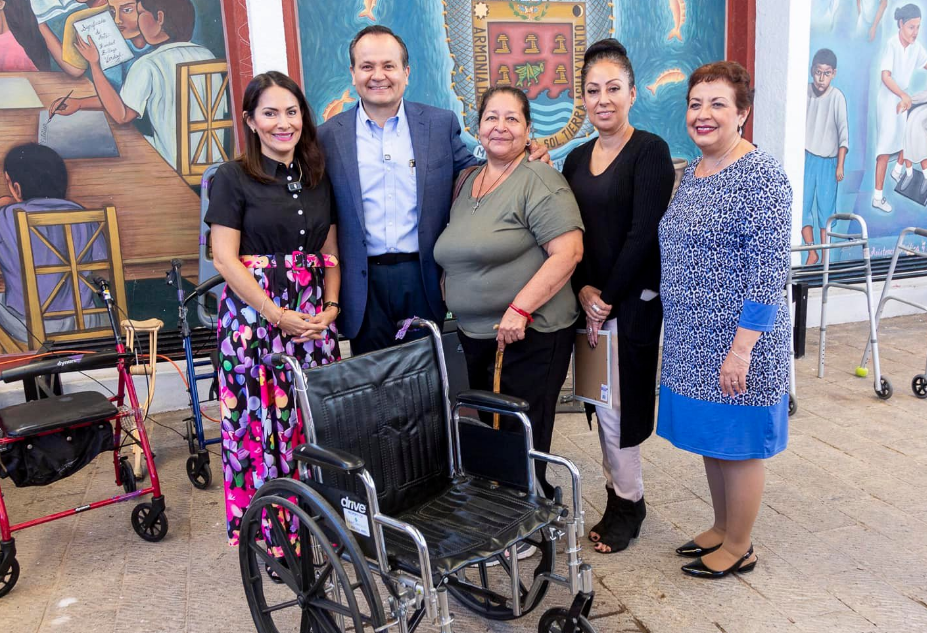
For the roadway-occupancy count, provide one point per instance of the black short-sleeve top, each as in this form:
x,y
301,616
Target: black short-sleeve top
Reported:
x,y
272,217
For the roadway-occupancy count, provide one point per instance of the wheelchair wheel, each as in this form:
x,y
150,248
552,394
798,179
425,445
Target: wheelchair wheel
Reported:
x,y
127,475
198,472
919,385
326,583
151,533
487,591
9,578
555,621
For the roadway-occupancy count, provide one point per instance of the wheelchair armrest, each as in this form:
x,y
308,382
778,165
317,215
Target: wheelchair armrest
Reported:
x,y
494,401
328,457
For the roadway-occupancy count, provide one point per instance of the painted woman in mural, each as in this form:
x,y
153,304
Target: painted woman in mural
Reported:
x,y
901,56
22,47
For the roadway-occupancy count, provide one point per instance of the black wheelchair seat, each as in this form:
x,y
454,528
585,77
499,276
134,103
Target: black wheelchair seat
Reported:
x,y
50,414
472,520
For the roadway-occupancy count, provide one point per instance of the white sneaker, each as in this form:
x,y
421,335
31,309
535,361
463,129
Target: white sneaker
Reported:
x,y
525,550
897,171
882,205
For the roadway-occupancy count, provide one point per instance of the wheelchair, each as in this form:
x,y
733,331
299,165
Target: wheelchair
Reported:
x,y
198,471
402,502
46,440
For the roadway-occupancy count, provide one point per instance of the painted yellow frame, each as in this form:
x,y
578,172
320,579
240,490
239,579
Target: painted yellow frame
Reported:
x,y
27,224
191,162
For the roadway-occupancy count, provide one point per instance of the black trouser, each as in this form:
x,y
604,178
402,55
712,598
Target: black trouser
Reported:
x,y
394,292
533,369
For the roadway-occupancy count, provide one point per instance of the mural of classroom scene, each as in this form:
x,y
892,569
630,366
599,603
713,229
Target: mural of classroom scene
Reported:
x,y
110,112
866,129
459,48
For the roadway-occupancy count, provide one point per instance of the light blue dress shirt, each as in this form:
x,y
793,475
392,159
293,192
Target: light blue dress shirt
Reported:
x,y
387,178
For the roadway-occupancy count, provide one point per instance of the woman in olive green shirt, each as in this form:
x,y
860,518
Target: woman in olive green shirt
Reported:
x,y
512,243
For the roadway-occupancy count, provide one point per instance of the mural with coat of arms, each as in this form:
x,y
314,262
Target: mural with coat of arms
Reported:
x,y
459,48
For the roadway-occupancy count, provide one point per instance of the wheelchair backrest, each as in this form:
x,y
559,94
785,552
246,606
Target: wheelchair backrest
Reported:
x,y
386,407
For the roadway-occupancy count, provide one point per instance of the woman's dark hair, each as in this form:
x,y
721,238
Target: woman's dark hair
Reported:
x,y
38,170
308,153
907,12
610,50
509,90
25,28
731,73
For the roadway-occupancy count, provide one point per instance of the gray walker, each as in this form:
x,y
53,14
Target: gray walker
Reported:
x,y
919,382
881,385
396,484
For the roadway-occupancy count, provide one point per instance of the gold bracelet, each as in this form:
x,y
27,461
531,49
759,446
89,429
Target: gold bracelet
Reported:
x,y
741,358
284,309
261,311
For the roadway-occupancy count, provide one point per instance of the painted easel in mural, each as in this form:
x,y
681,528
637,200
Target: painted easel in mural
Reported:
x,y
134,116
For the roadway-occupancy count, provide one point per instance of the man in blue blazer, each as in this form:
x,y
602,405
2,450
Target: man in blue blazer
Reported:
x,y
392,165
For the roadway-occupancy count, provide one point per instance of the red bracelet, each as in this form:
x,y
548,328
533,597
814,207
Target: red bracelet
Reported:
x,y
522,313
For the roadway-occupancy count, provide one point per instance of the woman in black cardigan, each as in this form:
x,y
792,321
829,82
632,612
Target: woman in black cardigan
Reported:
x,y
622,181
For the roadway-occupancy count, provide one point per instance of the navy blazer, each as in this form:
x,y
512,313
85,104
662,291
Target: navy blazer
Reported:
x,y
439,153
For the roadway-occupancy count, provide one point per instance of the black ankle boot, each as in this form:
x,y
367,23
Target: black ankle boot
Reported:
x,y
626,525
611,510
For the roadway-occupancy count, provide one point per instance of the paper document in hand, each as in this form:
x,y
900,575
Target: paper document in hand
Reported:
x,y
105,34
84,134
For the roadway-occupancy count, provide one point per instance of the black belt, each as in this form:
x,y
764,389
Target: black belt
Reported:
x,y
387,259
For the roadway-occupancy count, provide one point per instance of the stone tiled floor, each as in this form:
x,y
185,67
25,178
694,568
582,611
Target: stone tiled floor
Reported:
x,y
841,537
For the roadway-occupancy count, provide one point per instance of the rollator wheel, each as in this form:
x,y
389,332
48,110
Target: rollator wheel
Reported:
x,y
793,405
919,386
326,583
9,578
156,531
885,390
487,591
555,621
199,473
127,475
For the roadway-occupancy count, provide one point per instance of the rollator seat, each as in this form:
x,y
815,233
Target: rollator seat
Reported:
x,y
58,412
470,521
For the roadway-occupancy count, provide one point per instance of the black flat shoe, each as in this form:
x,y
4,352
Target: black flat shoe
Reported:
x,y
700,570
693,550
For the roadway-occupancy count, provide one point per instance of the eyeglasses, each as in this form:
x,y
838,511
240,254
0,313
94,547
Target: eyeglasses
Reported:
x,y
822,74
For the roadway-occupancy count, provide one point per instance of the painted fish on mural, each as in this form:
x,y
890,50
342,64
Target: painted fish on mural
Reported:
x,y
336,106
678,9
671,76
535,45
368,10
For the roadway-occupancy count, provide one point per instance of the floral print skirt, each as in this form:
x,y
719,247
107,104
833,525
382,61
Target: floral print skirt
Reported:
x,y
260,424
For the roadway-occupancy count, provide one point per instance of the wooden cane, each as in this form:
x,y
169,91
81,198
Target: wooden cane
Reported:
x,y
497,379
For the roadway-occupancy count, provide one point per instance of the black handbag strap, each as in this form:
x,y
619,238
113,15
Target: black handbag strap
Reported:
x,y
461,179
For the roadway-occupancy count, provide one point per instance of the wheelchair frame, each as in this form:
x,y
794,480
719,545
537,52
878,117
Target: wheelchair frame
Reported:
x,y
148,518
417,594
198,470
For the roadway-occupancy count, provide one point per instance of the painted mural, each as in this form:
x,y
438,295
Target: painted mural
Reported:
x,y
459,48
110,111
866,134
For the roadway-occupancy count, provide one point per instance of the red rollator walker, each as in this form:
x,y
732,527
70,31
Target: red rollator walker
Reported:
x,y
52,438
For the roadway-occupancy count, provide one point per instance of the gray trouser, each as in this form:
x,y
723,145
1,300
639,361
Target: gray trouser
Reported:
x,y
621,466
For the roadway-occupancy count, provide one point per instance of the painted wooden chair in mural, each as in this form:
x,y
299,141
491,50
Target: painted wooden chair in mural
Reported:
x,y
59,289
203,116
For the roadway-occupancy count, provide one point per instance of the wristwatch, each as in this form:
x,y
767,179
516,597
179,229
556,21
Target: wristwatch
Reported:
x,y
332,304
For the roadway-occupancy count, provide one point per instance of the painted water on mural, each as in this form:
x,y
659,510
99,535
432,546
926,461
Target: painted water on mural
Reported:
x,y
666,40
859,37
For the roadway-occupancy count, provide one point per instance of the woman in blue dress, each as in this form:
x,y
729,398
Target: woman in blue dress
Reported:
x,y
724,246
